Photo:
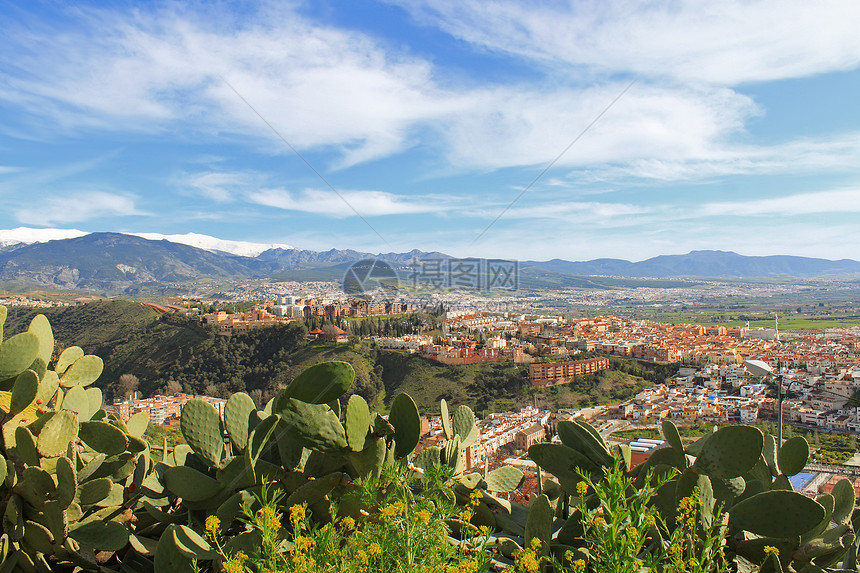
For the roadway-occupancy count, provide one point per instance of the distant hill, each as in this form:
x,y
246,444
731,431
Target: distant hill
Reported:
x,y
708,264
119,263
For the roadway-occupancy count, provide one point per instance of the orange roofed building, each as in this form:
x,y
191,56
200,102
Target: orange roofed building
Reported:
x,y
555,373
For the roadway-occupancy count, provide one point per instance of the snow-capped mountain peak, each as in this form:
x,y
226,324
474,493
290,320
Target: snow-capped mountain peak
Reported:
x,y
28,235
242,248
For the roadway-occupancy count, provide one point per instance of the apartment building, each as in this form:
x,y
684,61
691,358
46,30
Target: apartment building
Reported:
x,y
554,373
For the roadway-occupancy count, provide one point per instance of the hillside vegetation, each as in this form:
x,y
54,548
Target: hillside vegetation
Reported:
x,y
168,353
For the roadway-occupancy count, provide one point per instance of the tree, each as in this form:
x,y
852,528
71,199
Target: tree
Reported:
x,y
127,385
172,387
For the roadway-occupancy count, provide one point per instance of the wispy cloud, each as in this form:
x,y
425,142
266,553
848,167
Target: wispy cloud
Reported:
x,y
360,99
218,186
367,203
833,201
78,207
726,43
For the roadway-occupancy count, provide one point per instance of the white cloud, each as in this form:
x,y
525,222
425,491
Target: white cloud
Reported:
x,y
317,85
831,154
367,203
584,213
72,208
532,127
218,186
725,42
833,201
340,90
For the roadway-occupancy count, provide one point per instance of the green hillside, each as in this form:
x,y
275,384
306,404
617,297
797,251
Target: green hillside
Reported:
x,y
171,352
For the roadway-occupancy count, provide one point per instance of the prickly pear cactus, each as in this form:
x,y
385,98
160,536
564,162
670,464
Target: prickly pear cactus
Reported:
x,y
68,483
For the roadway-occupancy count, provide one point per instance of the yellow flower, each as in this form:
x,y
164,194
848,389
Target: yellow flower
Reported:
x,y
233,566
468,567
303,543
347,523
692,562
362,556
392,510
467,515
374,549
649,521
768,549
528,562
297,514
424,516
632,532
578,566
535,543
236,563
269,519
599,522
213,524
582,488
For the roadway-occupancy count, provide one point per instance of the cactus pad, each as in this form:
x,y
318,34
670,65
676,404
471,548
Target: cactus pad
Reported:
x,y
35,486
83,372
730,452
190,484
427,458
23,391
446,420
793,455
407,424
504,479
577,437
237,412
17,353
201,428
57,434
67,358
103,437
539,523
777,513
463,425
322,382
101,535
562,462
137,424
42,329
356,422
314,426
77,401
67,482
192,545
843,497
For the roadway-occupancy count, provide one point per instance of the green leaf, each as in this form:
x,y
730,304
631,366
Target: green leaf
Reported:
x,y
322,382
407,424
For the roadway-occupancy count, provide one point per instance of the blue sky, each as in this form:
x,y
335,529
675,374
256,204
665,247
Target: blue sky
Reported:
x,y
740,131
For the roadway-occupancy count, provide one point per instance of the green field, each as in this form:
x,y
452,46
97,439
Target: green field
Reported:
x,y
795,321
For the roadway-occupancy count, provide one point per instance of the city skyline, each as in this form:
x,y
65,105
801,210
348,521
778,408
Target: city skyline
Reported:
x,y
693,126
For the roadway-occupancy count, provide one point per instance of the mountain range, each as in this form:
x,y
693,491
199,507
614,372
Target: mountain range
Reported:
x,y
117,262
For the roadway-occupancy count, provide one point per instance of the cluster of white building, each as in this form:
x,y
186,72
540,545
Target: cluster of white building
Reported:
x,y
818,396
